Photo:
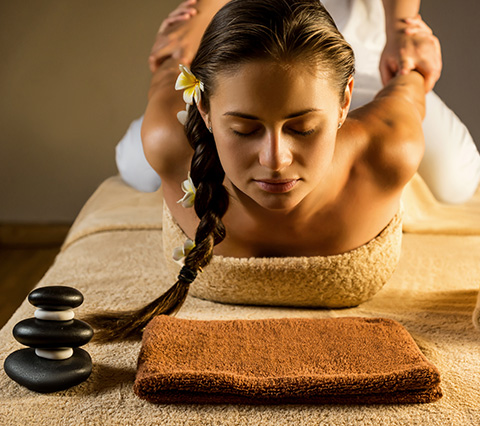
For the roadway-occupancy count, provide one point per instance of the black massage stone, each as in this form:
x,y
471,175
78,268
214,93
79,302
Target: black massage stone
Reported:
x,y
52,334
56,298
50,369
45,375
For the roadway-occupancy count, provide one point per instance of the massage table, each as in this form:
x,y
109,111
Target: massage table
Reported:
x,y
113,255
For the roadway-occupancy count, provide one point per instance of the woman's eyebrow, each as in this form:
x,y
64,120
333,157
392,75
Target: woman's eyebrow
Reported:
x,y
241,115
303,112
253,117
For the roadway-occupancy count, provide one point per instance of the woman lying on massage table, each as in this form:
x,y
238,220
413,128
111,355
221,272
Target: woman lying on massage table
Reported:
x,y
376,31
277,166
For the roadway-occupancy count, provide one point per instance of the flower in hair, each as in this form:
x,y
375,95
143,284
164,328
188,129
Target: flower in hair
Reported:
x,y
191,86
182,115
188,200
180,253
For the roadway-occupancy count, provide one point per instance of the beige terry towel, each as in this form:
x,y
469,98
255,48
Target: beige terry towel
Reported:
x,y
115,206
425,215
292,360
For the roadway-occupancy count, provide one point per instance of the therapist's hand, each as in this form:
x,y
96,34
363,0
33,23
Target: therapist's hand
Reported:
x,y
411,45
178,36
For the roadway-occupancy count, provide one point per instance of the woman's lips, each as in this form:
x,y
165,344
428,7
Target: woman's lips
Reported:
x,y
276,186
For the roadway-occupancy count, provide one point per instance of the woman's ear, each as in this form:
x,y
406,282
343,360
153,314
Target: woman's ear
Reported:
x,y
347,99
204,114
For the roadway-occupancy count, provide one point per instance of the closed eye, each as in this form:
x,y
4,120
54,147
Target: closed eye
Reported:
x,y
297,132
244,135
304,133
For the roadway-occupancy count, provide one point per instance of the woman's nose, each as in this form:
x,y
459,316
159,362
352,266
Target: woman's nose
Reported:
x,y
275,153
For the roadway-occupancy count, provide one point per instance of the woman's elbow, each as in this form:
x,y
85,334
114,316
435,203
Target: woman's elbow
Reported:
x,y
153,141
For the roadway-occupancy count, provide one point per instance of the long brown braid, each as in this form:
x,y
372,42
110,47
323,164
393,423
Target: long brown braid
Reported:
x,y
285,31
211,203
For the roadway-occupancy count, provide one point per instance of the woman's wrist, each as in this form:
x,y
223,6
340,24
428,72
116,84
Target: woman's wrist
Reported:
x,y
210,7
398,12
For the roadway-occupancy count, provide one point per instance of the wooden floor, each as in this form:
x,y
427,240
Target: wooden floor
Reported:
x,y
26,253
20,270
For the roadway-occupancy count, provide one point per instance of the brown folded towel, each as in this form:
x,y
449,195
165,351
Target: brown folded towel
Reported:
x,y
273,361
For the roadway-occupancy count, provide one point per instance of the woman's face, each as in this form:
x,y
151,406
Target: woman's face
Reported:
x,y
275,130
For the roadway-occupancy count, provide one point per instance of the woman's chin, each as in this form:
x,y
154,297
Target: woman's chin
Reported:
x,y
277,202
268,200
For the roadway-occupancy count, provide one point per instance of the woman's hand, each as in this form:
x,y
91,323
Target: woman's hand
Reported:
x,y
411,45
178,36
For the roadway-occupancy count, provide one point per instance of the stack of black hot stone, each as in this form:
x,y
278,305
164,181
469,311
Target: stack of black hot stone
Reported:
x,y
54,360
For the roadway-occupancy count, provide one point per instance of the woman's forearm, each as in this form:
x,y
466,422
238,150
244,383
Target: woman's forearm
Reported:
x,y
410,88
180,33
410,45
396,10
210,7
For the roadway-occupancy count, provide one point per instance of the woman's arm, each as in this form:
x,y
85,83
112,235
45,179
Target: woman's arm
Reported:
x,y
392,127
396,10
407,89
165,145
174,39
410,43
164,142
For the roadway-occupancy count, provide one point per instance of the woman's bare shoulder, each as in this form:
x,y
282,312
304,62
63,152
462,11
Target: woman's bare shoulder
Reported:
x,y
391,137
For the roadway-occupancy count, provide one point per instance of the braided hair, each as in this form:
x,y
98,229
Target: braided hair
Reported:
x,y
211,203
285,31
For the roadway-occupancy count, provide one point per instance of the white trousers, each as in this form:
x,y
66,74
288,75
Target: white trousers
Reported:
x,y
451,163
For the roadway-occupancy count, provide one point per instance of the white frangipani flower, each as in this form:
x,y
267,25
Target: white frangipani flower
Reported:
x,y
180,253
188,200
191,86
182,115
